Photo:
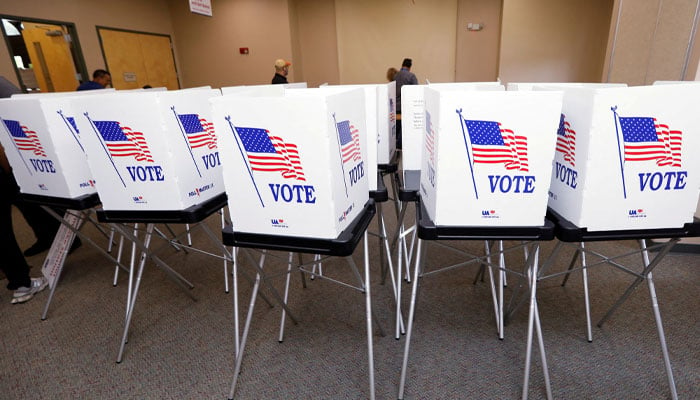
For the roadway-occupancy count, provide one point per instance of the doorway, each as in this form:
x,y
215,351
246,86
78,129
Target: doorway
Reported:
x,y
45,54
136,59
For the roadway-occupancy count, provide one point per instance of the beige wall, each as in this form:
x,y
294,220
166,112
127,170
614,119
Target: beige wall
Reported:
x,y
315,45
546,40
375,35
477,51
147,16
541,40
208,47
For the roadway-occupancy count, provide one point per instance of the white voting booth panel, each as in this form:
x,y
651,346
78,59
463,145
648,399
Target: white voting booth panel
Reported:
x,y
488,156
626,157
62,94
675,82
413,117
294,165
371,124
382,124
535,85
151,89
261,90
44,145
152,150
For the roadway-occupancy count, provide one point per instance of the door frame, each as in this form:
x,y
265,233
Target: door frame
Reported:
x,y
75,48
170,39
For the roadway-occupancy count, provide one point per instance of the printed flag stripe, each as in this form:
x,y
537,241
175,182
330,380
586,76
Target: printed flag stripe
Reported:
x,y
200,132
646,139
429,139
121,141
566,140
492,144
271,153
349,142
25,138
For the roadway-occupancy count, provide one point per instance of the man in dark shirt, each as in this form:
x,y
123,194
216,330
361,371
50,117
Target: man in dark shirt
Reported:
x,y
403,77
100,80
281,71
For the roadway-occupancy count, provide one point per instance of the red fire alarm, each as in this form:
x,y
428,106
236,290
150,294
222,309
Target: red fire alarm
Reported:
x,y
243,50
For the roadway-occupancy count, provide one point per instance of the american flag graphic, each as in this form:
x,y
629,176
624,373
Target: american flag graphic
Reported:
x,y
349,142
25,138
566,140
121,141
647,139
492,144
392,111
268,153
200,132
429,139
72,123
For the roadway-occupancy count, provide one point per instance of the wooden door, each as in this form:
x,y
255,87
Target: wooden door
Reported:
x,y
156,51
136,59
52,61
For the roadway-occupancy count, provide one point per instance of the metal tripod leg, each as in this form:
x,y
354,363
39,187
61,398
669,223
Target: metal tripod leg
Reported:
x,y
411,313
534,322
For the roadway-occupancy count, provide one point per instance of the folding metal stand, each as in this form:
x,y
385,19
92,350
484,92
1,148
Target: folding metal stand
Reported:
x,y
392,170
78,211
380,196
192,215
408,193
428,231
568,233
343,246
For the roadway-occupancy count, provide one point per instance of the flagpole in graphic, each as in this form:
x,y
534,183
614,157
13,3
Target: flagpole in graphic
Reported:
x,y
250,172
184,135
15,144
99,137
70,128
619,152
469,158
342,164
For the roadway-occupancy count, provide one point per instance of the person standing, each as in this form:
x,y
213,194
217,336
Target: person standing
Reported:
x,y
100,80
391,74
281,71
12,262
403,77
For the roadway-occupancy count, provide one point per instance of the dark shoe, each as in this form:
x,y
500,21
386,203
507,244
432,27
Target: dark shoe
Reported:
x,y
36,248
76,243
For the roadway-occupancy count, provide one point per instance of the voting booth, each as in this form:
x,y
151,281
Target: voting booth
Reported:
x,y
380,101
487,156
625,157
44,146
261,90
377,123
294,165
151,150
413,117
539,85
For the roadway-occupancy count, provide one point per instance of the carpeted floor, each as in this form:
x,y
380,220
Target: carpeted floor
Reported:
x,y
180,348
